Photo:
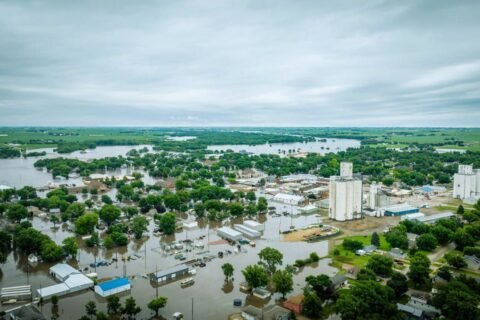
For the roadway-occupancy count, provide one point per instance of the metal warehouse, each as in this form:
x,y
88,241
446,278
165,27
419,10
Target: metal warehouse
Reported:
x,y
249,232
399,210
112,287
170,273
229,233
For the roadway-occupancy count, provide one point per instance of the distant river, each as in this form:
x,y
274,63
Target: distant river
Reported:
x,y
20,172
321,146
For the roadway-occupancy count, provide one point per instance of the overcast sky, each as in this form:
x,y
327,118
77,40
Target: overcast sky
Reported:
x,y
240,63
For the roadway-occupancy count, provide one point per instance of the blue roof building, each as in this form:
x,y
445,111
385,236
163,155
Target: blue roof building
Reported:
x,y
112,287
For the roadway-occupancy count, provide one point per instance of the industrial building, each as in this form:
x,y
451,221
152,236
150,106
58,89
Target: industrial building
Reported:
x,y
229,234
288,199
436,217
254,225
412,216
399,210
466,184
345,195
247,231
72,281
170,273
112,287
61,271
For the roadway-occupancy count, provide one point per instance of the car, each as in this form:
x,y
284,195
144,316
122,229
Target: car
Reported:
x,y
237,302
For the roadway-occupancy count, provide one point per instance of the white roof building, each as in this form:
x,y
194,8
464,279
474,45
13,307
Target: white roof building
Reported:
x,y
229,233
61,271
288,198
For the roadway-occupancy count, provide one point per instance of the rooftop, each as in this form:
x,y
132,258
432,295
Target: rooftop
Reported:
x,y
113,284
169,271
63,270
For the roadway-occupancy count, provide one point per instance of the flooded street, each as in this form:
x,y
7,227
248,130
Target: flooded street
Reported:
x,y
209,288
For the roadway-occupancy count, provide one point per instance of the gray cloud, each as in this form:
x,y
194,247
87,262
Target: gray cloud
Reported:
x,y
259,63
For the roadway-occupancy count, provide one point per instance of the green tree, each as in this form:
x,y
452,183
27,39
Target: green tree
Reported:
x,y
463,239
322,285
457,301
427,242
460,210
108,242
109,213
312,305
367,300
398,282
130,308
255,275
113,305
16,212
366,274
262,204
443,235
397,237
75,210
91,308
419,269
352,245
101,316
250,196
236,209
227,270
50,251
455,260
380,265
29,240
156,304
270,257
199,209
106,199
168,223
86,223
70,246
139,225
375,240
283,282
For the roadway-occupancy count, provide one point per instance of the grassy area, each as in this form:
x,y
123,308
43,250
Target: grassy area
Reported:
x,y
346,256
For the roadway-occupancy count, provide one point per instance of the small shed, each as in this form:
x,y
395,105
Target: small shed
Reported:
x,y
112,287
339,281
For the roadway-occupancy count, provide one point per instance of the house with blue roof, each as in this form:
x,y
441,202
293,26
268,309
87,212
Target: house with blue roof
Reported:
x,y
112,287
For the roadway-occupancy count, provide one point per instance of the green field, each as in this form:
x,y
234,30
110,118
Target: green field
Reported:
x,y
448,138
350,257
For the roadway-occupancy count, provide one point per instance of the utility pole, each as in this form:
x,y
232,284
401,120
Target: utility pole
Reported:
x,y
156,286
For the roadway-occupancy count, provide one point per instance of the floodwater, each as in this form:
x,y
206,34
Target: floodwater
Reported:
x,y
213,299
321,146
20,172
